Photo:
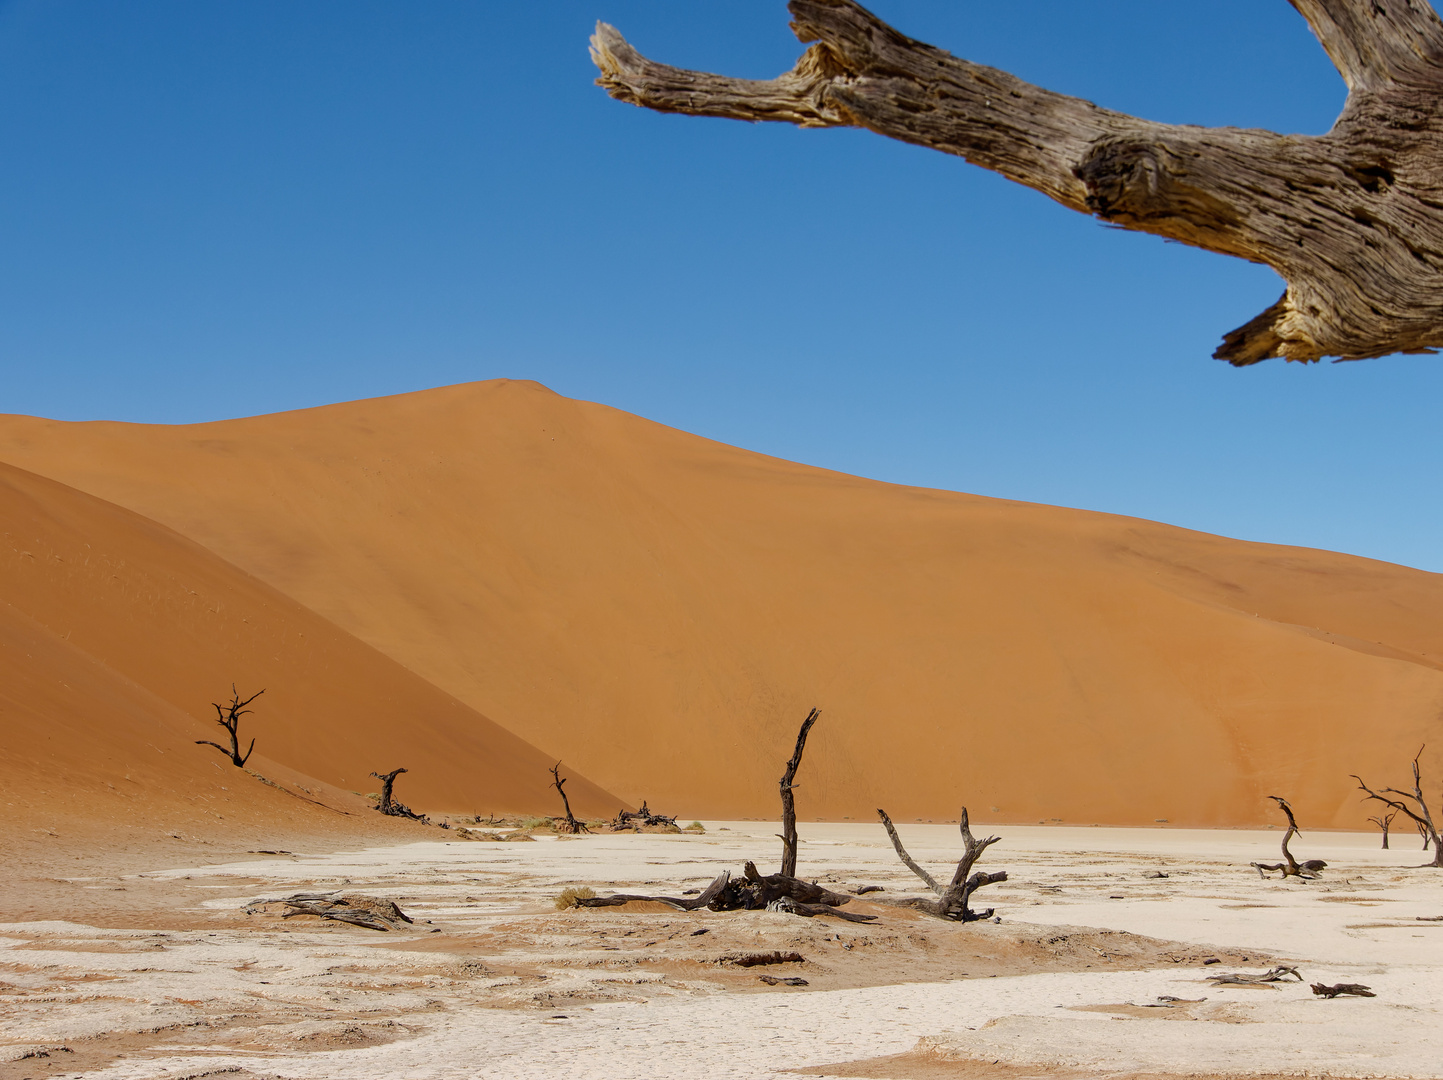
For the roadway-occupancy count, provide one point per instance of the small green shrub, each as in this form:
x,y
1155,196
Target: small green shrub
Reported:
x,y
568,896
695,826
535,823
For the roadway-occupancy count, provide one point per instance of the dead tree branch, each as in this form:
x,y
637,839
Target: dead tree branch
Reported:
x,y
789,806
571,825
1277,974
388,804
952,900
1411,804
1290,867
228,717
1353,219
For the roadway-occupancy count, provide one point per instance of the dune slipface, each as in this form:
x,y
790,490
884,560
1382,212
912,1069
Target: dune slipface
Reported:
x,y
661,610
116,634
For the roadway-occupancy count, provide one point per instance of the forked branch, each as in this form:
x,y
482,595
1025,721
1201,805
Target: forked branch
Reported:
x,y
1353,219
952,899
228,717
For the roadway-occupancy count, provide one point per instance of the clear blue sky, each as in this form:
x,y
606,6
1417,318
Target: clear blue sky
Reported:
x,y
225,208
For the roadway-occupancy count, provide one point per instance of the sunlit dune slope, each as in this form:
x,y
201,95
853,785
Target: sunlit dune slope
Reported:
x,y
661,610
116,634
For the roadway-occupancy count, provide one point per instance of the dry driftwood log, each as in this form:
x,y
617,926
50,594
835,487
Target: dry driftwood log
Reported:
x,y
388,804
1352,220
370,912
1277,974
789,806
228,717
1343,990
1412,805
1290,867
570,825
687,903
952,900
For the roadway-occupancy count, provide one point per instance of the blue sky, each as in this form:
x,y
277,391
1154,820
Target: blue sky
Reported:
x,y
220,209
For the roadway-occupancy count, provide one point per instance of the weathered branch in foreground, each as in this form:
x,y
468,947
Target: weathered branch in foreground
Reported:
x,y
1353,220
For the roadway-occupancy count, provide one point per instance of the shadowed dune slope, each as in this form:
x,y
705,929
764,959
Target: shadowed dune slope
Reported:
x,y
116,634
661,610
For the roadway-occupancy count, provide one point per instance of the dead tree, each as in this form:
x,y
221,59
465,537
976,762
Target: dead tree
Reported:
x,y
1290,867
1411,804
951,902
228,717
570,825
789,806
1352,220
388,804
1384,822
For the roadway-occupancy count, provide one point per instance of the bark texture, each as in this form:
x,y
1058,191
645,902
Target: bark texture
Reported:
x,y
1352,220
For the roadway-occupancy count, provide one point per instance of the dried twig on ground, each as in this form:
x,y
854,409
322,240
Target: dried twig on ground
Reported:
x,y
952,900
1290,867
228,717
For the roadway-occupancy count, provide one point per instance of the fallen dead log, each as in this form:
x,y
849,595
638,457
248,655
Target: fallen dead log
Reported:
x,y
369,912
1277,974
681,903
772,980
763,959
1343,990
807,911
645,817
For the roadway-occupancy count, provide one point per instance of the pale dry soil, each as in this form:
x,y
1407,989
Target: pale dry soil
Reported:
x,y
143,965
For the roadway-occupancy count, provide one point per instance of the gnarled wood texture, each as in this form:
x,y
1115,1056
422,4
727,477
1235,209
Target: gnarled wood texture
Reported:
x,y
1353,220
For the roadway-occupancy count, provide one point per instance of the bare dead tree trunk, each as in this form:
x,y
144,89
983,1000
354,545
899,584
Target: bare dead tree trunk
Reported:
x,y
228,717
388,804
789,806
1353,219
952,900
1412,805
1384,822
1290,867
571,825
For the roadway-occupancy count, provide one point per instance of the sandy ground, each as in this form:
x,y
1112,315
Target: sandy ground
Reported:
x,y
152,969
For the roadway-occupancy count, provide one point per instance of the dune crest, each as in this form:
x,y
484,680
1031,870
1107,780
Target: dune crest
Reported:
x,y
661,610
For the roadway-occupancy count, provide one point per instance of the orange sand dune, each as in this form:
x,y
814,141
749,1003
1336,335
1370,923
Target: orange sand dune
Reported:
x,y
661,610
116,634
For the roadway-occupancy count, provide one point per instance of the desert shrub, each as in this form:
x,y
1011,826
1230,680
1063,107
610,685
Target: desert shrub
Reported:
x,y
535,823
695,826
568,896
